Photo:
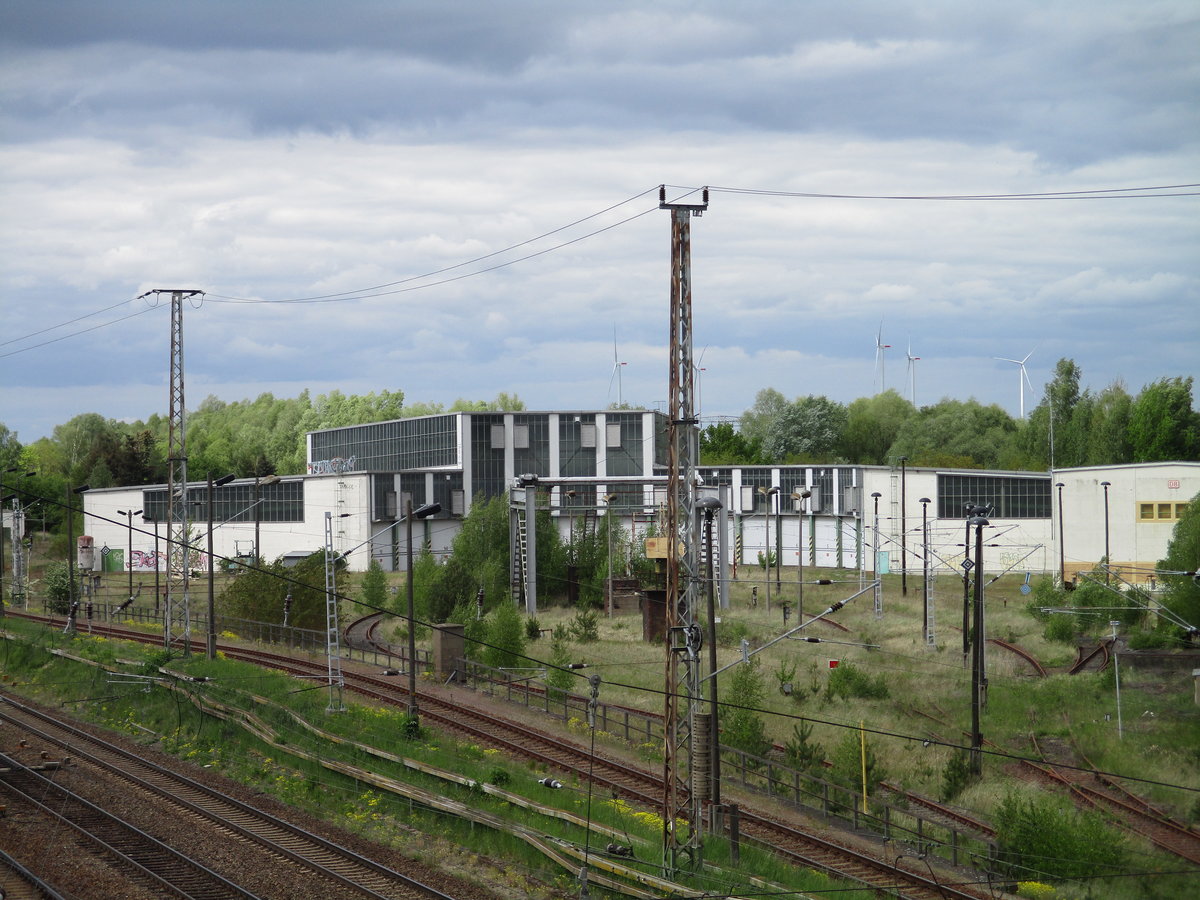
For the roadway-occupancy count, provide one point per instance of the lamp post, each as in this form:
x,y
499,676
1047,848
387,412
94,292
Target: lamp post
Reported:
x,y
769,494
927,627
710,505
421,512
1062,558
71,601
129,514
259,484
903,529
1107,559
977,657
212,609
566,498
608,501
878,589
800,496
1117,677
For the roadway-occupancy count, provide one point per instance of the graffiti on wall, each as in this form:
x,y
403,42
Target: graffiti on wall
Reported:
x,y
335,466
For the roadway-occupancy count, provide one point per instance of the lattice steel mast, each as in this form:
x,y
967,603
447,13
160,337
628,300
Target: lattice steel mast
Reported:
x,y
177,617
682,813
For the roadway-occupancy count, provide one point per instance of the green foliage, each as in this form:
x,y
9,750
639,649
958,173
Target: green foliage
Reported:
x,y
1182,593
722,445
475,631
848,680
558,679
966,434
956,774
742,726
506,637
1061,628
56,582
847,763
767,560
585,626
533,628
479,560
374,588
872,426
1162,423
801,751
258,593
1048,838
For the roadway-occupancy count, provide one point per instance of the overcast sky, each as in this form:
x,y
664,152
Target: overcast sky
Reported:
x,y
276,150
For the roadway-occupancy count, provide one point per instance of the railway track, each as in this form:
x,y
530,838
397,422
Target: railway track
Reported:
x,y
1131,812
634,784
1100,653
342,871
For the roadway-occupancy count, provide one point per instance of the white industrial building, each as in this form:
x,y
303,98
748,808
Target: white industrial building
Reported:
x,y
362,476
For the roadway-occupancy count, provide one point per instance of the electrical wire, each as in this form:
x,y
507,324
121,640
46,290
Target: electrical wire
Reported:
x,y
1095,194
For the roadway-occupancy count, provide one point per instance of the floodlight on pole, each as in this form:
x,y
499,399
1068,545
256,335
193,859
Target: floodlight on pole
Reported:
x,y
72,603
903,528
1107,559
259,484
927,606
800,496
878,590
608,501
129,514
1062,557
211,642
977,683
421,512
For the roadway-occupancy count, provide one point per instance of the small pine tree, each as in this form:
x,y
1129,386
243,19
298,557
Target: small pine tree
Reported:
x,y
506,637
57,584
558,679
743,727
374,590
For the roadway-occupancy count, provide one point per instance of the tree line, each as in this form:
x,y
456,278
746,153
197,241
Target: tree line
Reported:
x,y
1069,427
247,438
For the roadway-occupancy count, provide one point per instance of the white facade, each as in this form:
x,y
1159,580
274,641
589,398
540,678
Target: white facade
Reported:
x,y
344,496
1144,503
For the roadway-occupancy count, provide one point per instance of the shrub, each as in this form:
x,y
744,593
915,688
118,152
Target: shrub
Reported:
x,y
801,751
533,628
848,763
505,637
956,774
847,680
558,679
1043,836
743,727
57,582
585,626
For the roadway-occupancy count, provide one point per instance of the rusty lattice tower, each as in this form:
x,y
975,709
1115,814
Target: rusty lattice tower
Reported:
x,y
682,813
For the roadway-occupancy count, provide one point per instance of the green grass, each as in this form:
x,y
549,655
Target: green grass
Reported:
x,y
280,769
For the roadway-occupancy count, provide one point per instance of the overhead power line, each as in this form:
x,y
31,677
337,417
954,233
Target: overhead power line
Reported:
x,y
421,282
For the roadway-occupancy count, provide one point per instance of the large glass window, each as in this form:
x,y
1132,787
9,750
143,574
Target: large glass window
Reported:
x,y
282,501
577,445
1013,496
417,443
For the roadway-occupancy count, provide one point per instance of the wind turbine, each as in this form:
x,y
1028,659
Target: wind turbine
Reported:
x,y
1022,376
616,372
912,375
880,364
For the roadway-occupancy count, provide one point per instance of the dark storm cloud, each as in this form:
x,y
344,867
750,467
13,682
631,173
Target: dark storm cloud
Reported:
x,y
1070,82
